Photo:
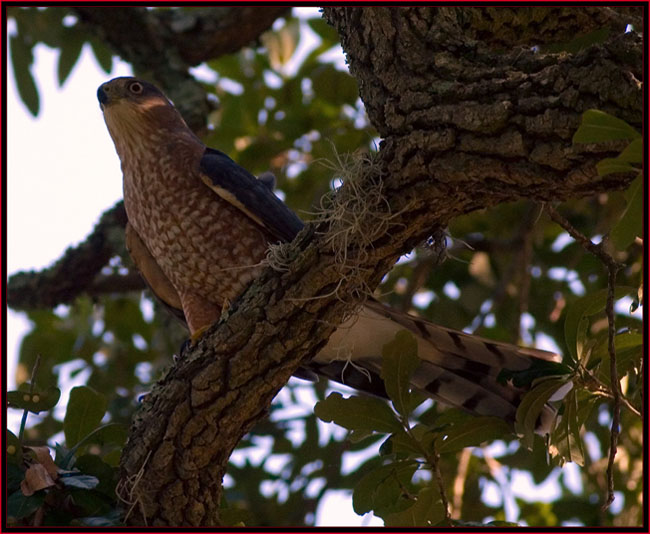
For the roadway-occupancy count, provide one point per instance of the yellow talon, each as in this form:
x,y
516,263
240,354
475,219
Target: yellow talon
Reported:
x,y
225,307
197,334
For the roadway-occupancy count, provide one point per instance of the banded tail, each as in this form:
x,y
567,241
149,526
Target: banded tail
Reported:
x,y
457,369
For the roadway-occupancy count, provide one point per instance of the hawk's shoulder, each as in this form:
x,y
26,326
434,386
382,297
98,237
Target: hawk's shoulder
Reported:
x,y
254,197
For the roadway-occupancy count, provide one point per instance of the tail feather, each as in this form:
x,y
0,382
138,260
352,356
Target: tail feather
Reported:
x,y
457,369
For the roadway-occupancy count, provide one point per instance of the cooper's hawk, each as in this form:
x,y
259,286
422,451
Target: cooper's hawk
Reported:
x,y
199,227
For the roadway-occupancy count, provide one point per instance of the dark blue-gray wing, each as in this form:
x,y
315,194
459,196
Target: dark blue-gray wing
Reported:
x,y
254,197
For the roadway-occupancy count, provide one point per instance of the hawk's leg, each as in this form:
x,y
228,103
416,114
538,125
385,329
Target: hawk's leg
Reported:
x,y
200,313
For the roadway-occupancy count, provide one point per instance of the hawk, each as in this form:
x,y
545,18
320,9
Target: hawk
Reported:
x,y
198,229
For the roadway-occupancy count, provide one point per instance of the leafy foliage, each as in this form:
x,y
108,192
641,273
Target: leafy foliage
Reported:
x,y
280,114
73,488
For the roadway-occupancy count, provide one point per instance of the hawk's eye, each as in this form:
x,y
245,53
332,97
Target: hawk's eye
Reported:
x,y
136,88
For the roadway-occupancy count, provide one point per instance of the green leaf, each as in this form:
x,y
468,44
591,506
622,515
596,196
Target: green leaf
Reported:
x,y
538,369
227,66
566,440
613,165
123,317
114,433
85,410
14,448
403,442
19,506
102,54
78,480
532,405
15,475
633,152
570,419
598,126
91,464
325,31
425,512
358,413
334,86
21,61
112,519
63,457
381,490
232,517
355,436
69,54
629,353
472,433
630,224
585,306
36,401
399,360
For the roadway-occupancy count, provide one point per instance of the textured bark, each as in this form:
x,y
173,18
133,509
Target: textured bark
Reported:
x,y
464,127
469,117
504,27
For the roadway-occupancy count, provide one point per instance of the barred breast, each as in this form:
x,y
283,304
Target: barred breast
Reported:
x,y
201,242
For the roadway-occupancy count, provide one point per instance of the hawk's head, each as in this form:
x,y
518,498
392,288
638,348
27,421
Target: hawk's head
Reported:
x,y
135,111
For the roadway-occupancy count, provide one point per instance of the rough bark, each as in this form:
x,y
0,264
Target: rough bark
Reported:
x,y
464,127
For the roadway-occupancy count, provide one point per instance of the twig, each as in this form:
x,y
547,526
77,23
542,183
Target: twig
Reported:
x,y
612,268
616,387
603,391
434,462
433,459
596,249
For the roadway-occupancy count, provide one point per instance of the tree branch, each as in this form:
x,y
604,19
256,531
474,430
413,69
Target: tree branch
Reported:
x,y
162,44
613,267
75,272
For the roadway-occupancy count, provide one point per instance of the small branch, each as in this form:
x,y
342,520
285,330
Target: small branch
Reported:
x,y
116,283
612,268
75,272
603,391
596,249
434,461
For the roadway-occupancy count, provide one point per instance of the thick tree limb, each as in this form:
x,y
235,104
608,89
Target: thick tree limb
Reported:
x,y
505,27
